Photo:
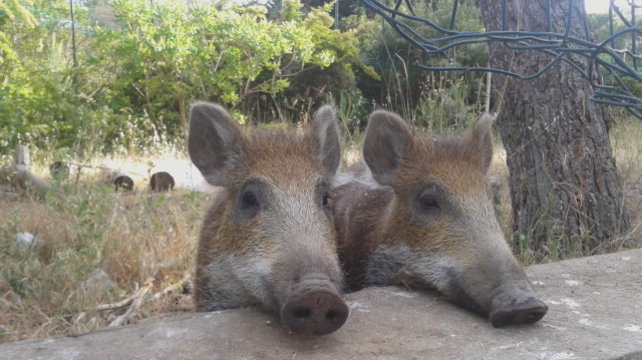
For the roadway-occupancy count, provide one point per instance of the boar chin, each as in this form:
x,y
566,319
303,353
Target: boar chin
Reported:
x,y
513,302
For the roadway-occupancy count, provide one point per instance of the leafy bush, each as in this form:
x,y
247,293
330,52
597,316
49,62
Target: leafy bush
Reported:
x,y
410,90
136,82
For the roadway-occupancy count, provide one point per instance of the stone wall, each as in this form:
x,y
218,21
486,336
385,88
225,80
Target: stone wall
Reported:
x,y
595,312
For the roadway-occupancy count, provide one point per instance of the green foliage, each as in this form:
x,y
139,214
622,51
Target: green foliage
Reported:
x,y
291,10
450,104
136,82
602,30
11,10
432,99
38,103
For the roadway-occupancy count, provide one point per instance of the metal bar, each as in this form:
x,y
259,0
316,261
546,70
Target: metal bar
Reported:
x,y
453,16
73,40
549,21
634,37
611,4
561,47
504,15
336,14
569,22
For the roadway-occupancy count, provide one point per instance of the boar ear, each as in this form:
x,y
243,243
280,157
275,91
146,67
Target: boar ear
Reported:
x,y
480,141
325,134
387,139
212,139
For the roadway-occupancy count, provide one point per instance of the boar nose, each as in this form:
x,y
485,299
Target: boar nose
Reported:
x,y
315,313
515,312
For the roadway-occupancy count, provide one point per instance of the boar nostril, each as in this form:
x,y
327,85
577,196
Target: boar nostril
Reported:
x,y
532,317
301,313
332,316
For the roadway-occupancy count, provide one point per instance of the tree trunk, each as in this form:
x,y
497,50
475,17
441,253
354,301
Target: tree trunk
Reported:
x,y
19,176
565,189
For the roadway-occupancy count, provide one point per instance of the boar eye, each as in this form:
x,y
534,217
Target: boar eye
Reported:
x,y
326,199
249,200
428,203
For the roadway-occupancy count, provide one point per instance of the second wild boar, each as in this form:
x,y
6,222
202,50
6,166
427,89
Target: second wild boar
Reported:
x,y
428,221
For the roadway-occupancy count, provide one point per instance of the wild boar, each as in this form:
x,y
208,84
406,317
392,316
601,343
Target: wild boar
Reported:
x,y
428,221
268,238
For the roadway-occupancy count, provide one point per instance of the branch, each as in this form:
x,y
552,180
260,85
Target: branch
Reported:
x,y
137,301
139,298
19,176
116,305
172,288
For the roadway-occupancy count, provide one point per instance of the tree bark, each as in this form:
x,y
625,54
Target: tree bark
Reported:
x,y
565,189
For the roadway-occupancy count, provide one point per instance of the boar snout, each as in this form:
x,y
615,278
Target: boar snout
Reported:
x,y
526,311
516,305
314,308
315,313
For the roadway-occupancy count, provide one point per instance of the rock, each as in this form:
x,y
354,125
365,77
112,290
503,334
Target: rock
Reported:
x,y
99,281
595,312
28,239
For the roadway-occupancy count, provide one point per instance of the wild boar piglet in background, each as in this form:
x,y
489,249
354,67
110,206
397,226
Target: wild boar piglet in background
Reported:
x,y
428,221
268,238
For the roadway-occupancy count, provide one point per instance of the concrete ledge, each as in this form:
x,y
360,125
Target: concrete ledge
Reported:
x,y
595,313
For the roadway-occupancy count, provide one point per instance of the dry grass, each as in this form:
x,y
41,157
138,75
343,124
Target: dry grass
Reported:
x,y
626,141
86,228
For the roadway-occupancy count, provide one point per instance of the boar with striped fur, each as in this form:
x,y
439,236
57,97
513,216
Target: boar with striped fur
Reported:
x,y
427,220
268,238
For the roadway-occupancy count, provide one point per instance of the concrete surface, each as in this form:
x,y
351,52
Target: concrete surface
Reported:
x,y
595,313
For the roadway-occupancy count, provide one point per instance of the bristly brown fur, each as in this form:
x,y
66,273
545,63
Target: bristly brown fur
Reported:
x,y
282,154
291,167
432,222
448,159
356,210
285,156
